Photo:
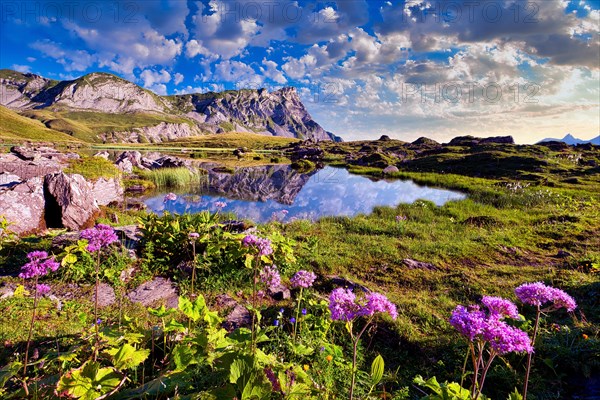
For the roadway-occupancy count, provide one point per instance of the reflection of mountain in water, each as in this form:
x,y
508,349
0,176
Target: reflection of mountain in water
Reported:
x,y
272,182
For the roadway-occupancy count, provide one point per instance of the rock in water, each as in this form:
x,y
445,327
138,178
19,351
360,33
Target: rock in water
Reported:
x,y
23,205
390,169
70,201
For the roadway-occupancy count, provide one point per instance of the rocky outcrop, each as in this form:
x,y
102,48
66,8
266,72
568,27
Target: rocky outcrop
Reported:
x,y
70,201
23,205
153,134
106,191
129,159
158,290
278,113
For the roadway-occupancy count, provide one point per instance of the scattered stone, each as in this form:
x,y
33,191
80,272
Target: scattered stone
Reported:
x,y
106,295
237,318
64,239
6,292
107,191
390,169
70,201
129,235
24,153
224,301
157,290
23,206
384,138
279,293
125,166
498,140
102,154
414,264
7,179
338,281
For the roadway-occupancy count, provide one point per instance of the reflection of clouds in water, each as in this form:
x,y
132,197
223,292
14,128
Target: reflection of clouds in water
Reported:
x,y
330,192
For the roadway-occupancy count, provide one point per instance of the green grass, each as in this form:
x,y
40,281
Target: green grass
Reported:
x,y
173,177
87,125
93,168
233,140
16,128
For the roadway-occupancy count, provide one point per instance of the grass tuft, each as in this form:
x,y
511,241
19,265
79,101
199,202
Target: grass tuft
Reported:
x,y
173,177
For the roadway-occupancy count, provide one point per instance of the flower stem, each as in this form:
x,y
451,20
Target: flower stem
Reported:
x,y
530,355
254,280
297,312
96,340
484,373
35,301
354,351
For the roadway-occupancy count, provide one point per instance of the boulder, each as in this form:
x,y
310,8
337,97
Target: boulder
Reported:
x,y
279,292
390,169
23,205
106,295
413,264
384,138
70,201
107,191
129,159
102,154
7,179
157,290
498,140
238,317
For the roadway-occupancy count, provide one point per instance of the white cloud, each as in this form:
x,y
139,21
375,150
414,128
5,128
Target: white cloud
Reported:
x,y
21,68
269,69
31,59
151,78
178,78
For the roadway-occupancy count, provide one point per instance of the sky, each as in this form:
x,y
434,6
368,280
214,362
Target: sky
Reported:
x,y
407,68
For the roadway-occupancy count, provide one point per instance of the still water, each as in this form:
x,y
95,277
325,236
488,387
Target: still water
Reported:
x,y
278,192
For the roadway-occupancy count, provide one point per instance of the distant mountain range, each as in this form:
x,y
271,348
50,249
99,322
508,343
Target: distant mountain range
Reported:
x,y
101,107
571,140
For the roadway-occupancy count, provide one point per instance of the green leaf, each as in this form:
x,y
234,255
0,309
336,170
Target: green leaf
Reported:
x,y
128,357
69,259
193,310
89,381
515,395
377,368
8,371
302,350
248,261
174,326
183,357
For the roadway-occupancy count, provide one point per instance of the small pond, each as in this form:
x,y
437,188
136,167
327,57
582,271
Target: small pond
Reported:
x,y
279,192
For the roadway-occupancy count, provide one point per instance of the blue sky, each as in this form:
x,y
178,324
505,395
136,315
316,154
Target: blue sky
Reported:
x,y
407,68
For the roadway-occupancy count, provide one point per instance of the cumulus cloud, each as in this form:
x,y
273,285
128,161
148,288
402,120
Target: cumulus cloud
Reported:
x,y
153,77
178,78
21,68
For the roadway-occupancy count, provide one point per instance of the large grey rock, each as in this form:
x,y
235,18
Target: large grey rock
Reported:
x,y
414,264
70,201
157,290
129,159
23,205
106,295
8,179
237,318
106,191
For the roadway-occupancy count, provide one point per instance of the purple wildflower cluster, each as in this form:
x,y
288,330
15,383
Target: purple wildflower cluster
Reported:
x,y
263,245
42,289
538,294
193,236
343,305
475,324
99,237
270,276
303,279
39,265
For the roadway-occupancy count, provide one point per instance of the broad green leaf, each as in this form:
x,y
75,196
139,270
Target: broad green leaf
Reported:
x,y
8,371
183,356
377,368
20,292
89,381
194,310
128,356
69,259
515,395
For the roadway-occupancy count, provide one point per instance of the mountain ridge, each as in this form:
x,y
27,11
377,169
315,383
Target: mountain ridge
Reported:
x,y
105,96
572,140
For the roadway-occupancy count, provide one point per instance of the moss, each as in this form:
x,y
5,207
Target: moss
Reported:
x,y
93,168
303,166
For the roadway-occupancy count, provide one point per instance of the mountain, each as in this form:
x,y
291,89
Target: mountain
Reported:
x,y
571,140
103,107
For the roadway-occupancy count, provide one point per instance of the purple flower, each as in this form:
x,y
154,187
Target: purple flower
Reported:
x,y
537,294
292,320
42,289
39,265
505,338
377,302
263,245
273,379
276,322
220,204
170,197
304,311
400,218
342,305
468,322
500,307
193,236
303,279
99,237
270,276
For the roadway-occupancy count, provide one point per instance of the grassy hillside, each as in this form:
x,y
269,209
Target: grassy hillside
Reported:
x,y
87,125
234,140
14,127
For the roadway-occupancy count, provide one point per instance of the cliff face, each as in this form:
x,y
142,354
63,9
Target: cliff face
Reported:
x,y
280,113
